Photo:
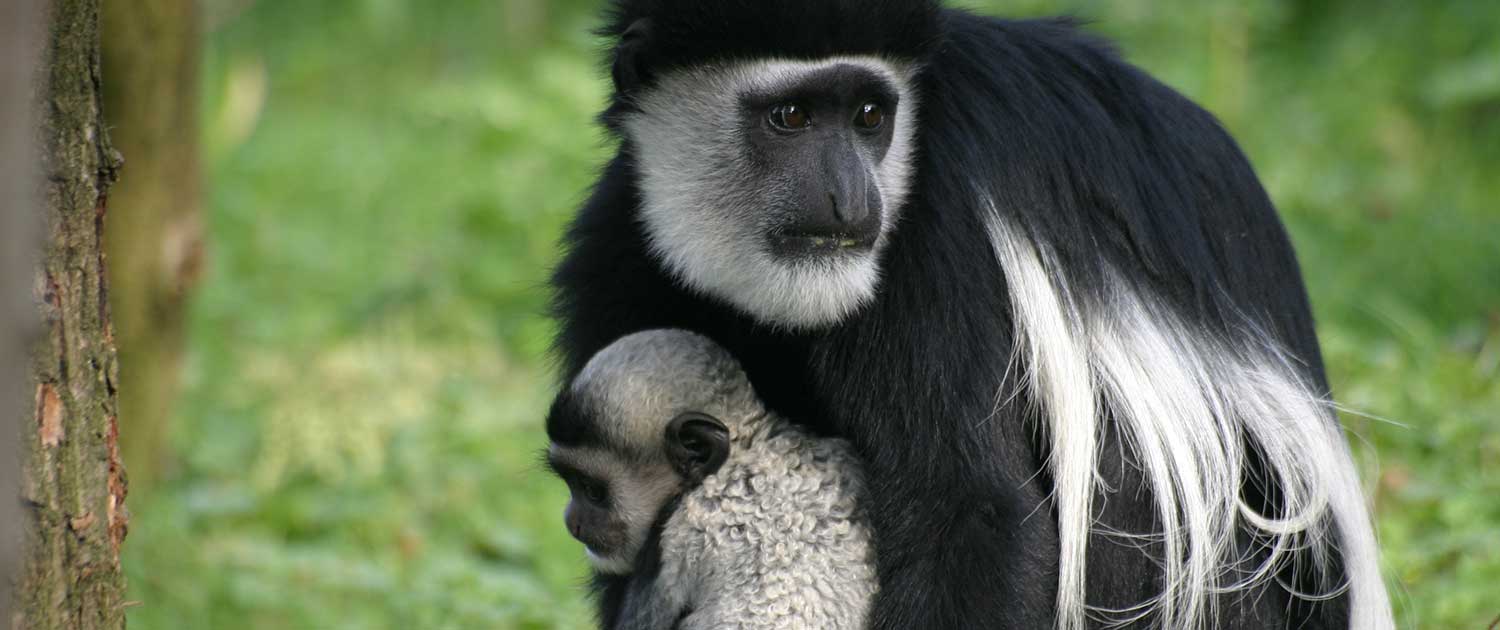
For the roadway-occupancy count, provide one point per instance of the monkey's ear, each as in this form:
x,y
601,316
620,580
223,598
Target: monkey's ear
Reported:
x,y
697,444
629,69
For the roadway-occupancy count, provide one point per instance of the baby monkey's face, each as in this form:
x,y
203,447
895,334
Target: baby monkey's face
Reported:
x,y
621,491
634,430
613,501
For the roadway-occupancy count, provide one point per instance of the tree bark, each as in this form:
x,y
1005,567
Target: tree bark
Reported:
x,y
154,233
20,40
72,478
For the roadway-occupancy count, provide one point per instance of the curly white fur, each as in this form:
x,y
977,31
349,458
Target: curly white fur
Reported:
x,y
776,538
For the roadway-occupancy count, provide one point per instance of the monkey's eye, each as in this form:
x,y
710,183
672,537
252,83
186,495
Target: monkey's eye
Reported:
x,y
870,116
789,117
593,491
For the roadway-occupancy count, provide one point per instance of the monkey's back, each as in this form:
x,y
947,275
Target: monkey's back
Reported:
x,y
775,538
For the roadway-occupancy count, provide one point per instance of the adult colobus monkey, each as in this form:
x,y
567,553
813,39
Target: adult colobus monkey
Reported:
x,y
1043,295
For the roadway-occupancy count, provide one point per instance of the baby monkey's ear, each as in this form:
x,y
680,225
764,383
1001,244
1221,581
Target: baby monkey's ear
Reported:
x,y
697,444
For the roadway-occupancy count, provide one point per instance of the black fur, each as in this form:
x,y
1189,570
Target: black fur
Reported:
x,y
571,423
697,445
690,32
1090,156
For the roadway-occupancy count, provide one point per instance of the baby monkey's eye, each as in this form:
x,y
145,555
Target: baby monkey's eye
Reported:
x,y
790,117
593,491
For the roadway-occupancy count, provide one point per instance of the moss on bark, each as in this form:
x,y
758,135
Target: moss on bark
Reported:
x,y
72,479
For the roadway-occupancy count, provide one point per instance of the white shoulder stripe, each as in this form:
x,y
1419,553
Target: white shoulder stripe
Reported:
x,y
1186,403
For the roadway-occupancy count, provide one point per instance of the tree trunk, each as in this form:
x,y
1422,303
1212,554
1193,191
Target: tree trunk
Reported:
x,y
20,41
154,234
72,478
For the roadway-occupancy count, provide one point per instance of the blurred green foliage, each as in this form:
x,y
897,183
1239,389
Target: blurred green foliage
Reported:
x,y
356,447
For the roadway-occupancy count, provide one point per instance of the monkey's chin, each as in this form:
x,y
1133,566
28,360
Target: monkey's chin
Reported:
x,y
611,565
809,292
789,292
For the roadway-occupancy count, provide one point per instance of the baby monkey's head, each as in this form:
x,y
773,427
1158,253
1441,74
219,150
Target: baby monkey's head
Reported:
x,y
646,419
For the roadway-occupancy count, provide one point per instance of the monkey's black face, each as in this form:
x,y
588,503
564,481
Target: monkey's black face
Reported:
x,y
774,185
818,143
614,501
588,515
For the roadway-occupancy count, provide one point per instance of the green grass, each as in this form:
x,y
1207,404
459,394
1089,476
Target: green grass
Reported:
x,y
356,443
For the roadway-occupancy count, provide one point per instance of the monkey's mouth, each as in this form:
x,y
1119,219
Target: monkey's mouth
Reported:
x,y
599,542
598,548
800,244
599,556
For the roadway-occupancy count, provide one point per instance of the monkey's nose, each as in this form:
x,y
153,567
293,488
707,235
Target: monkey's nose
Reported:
x,y
841,212
574,529
849,211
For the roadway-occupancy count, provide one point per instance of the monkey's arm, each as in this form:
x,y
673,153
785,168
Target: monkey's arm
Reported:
x,y
957,493
965,532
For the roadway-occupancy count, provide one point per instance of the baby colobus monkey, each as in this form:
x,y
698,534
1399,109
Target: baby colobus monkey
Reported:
x,y
697,506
